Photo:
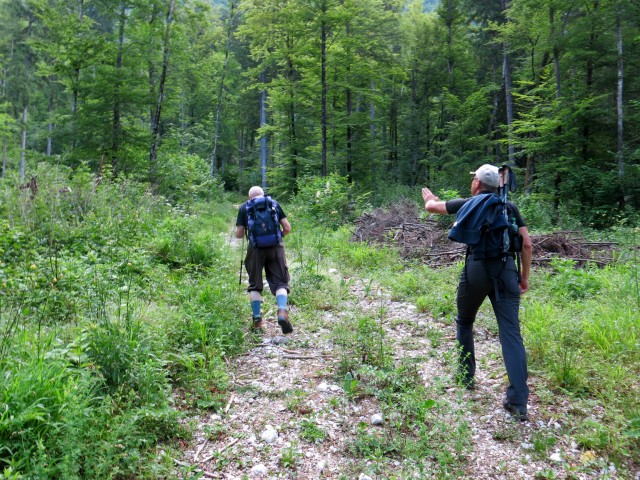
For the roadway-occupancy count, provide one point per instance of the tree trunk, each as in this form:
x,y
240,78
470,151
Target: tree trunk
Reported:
x,y
23,143
323,81
348,106
117,127
216,133
293,134
619,99
556,52
74,91
155,137
263,138
50,123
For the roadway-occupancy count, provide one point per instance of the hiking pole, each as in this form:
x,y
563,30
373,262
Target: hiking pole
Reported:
x,y
241,259
503,186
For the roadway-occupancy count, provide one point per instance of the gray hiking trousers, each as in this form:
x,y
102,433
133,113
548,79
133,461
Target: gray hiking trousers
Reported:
x,y
499,281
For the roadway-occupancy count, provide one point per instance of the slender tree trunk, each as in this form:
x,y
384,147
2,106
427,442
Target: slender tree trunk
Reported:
x,y
50,123
619,99
509,106
151,67
586,131
372,111
183,123
348,106
4,94
293,134
74,91
556,52
117,127
323,81
23,143
263,123
155,136
216,134
450,59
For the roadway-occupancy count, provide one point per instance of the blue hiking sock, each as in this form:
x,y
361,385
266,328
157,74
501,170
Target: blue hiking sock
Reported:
x,y
281,300
255,307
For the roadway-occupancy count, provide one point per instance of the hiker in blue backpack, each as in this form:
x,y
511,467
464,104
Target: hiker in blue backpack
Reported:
x,y
262,220
490,270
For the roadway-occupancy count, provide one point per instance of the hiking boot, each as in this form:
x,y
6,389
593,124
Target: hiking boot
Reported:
x,y
256,324
283,321
518,412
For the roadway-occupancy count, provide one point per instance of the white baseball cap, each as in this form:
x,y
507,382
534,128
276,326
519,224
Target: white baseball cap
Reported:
x,y
488,175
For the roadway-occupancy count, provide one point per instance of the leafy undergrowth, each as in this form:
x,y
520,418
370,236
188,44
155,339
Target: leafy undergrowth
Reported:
x,y
116,312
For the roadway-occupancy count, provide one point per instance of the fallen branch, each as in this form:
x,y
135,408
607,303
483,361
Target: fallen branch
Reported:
x,y
228,445
228,406
200,448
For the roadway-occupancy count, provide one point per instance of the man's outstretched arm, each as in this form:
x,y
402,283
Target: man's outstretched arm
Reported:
x,y
432,203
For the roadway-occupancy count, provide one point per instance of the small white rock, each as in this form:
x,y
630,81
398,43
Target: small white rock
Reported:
x,y
556,457
322,464
259,470
376,419
335,388
323,387
269,434
364,477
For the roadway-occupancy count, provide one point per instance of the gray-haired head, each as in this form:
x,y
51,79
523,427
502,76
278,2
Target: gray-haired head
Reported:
x,y
255,191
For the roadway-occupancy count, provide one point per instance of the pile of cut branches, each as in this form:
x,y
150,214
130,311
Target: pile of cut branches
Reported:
x,y
400,226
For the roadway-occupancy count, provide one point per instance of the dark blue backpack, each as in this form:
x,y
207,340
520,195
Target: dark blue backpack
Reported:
x,y
263,222
482,224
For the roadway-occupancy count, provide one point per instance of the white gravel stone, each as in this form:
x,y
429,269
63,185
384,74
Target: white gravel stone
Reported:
x,y
376,419
259,470
323,387
556,457
269,434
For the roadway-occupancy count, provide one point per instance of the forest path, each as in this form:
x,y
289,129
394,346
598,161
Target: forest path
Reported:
x,y
285,394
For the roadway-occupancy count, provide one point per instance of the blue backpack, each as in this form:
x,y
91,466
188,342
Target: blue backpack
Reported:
x,y
263,222
481,223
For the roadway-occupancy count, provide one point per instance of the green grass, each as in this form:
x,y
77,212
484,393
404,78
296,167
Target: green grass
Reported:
x,y
110,302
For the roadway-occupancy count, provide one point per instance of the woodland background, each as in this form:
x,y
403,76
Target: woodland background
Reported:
x,y
130,131
389,93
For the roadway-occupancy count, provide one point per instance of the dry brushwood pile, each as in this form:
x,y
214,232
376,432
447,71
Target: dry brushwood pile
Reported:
x,y
426,239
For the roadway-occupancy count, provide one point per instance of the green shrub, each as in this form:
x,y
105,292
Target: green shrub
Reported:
x,y
329,201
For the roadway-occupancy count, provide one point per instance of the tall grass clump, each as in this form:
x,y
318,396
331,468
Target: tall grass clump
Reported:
x,y
581,327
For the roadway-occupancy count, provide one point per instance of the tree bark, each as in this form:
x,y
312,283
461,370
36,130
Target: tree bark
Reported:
x,y
216,133
263,138
155,137
323,81
23,143
117,127
50,122
619,99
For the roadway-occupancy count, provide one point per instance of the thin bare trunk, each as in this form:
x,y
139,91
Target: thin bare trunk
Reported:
x,y
263,139
509,106
74,91
23,143
619,100
323,81
216,134
117,127
155,137
50,123
556,52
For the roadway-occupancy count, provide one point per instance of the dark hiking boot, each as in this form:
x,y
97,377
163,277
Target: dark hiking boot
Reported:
x,y
283,321
256,324
518,412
